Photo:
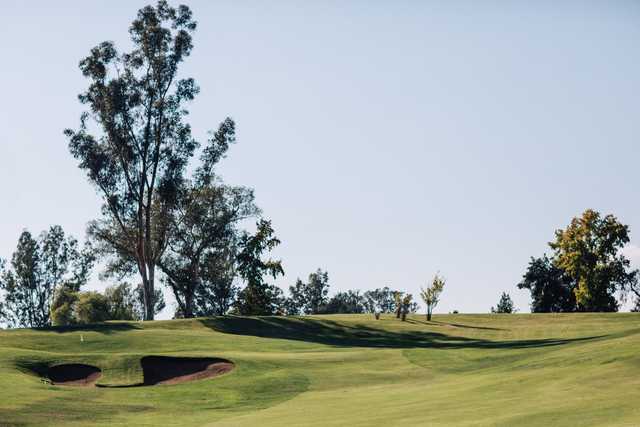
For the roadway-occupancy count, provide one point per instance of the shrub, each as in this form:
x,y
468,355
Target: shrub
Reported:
x,y
91,307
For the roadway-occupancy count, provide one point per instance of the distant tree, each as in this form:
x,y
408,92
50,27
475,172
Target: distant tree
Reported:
x,y
348,302
316,291
37,268
215,297
310,297
62,307
407,305
138,158
589,252
551,289
505,305
636,307
123,302
203,235
397,299
258,297
91,307
277,299
431,295
380,300
296,302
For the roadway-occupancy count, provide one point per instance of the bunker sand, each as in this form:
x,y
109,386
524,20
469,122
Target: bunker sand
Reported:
x,y
175,370
74,374
156,370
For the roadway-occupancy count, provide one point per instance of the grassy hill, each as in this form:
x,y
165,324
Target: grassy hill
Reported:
x,y
462,370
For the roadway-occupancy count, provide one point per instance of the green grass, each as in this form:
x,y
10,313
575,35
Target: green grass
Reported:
x,y
460,370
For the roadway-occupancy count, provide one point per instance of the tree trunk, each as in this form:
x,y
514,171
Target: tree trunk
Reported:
x,y
188,303
149,294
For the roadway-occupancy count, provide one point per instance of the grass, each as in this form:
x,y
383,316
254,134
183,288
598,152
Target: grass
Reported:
x,y
461,370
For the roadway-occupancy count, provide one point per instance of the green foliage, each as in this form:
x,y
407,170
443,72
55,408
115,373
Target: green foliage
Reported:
x,y
348,302
505,305
551,289
588,251
407,303
380,300
258,297
137,159
263,300
586,269
431,295
397,299
310,297
91,307
217,292
37,268
316,292
119,302
62,307
124,302
199,262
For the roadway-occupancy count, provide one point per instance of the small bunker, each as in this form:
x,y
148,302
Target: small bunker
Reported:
x,y
75,374
174,370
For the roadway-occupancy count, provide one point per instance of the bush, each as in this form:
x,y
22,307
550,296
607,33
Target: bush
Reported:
x,y
62,306
91,307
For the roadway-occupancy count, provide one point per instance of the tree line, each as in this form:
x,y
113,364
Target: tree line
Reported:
x,y
42,287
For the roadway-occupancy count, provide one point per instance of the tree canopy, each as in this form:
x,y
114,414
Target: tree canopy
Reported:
x,y
551,289
587,267
589,251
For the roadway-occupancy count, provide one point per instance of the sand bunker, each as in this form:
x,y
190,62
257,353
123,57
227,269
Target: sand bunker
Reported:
x,y
74,374
155,370
174,370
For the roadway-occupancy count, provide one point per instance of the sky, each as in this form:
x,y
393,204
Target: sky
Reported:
x,y
387,141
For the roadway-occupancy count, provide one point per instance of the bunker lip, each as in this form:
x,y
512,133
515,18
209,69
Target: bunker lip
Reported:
x,y
174,370
74,374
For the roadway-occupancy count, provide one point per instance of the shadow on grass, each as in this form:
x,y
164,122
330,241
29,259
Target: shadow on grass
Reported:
x,y
340,335
37,367
104,328
457,325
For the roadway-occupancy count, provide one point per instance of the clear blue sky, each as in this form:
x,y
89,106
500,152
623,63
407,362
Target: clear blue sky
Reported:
x,y
386,140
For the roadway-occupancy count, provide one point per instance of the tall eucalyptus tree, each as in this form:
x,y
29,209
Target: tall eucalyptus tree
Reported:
x,y
133,141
